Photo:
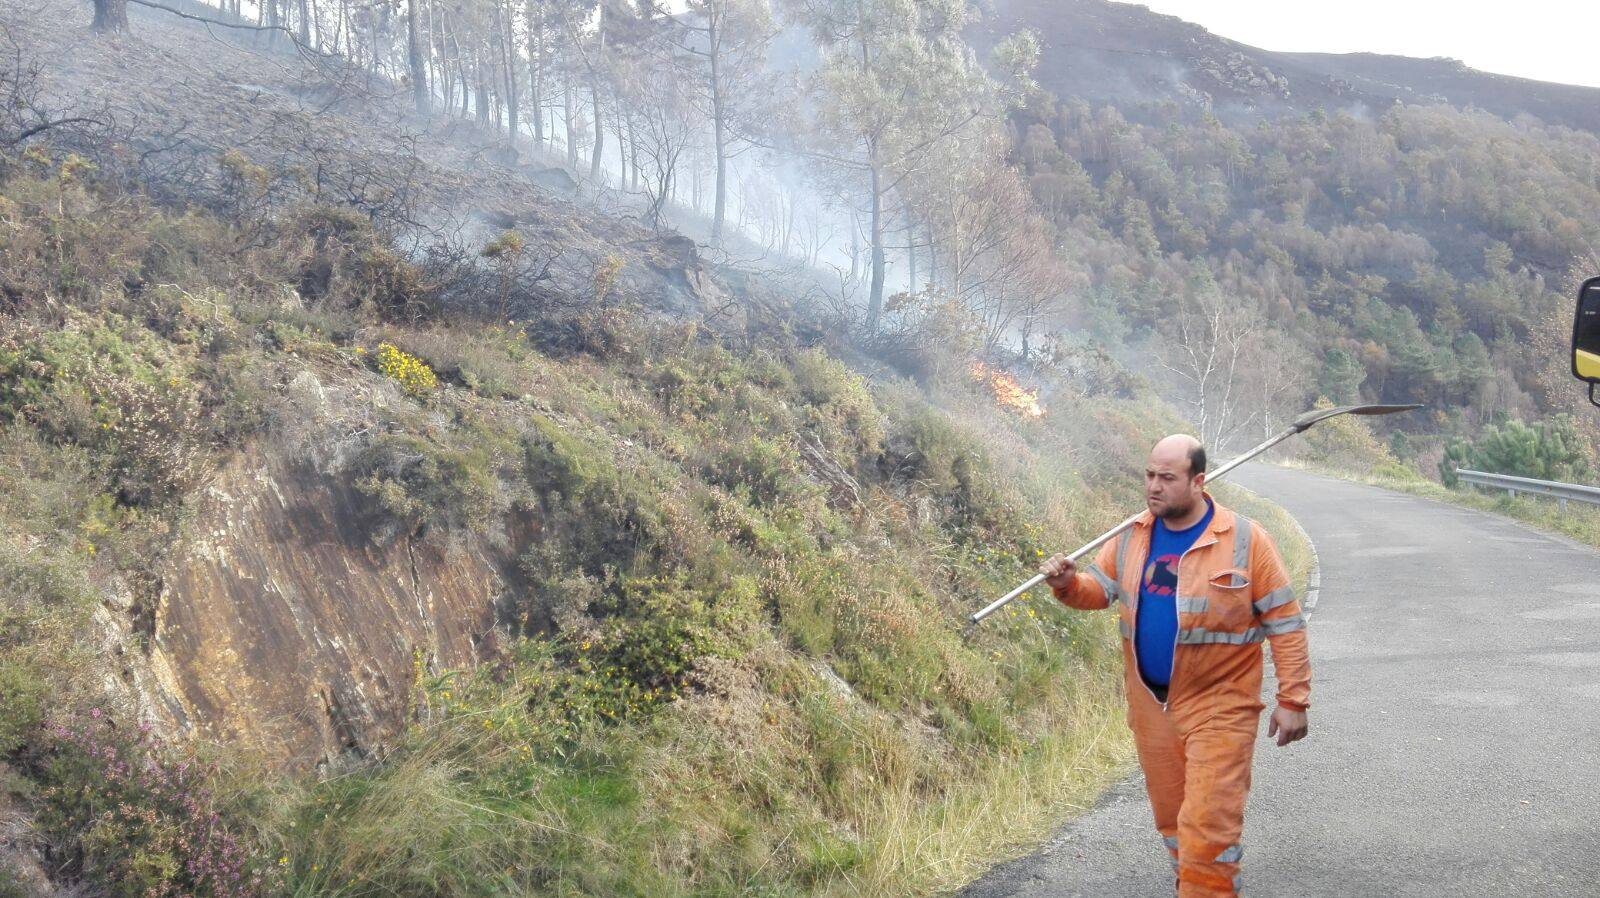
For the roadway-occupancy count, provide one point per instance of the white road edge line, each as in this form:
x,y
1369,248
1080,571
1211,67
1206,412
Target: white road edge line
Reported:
x,y
1314,579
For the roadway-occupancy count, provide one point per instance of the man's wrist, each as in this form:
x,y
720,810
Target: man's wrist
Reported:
x,y
1296,707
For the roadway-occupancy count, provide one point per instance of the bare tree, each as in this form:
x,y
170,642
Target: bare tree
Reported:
x,y
1208,352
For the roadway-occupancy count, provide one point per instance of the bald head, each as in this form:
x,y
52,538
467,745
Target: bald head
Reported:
x,y
1174,478
1183,449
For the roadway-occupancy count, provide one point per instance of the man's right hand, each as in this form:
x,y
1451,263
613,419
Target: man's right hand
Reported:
x,y
1059,572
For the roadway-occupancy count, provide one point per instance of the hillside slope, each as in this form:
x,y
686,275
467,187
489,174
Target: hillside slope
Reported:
x,y
353,569
1126,54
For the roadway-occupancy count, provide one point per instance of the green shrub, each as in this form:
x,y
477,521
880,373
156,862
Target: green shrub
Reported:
x,y
654,629
764,470
418,484
603,516
22,703
112,387
922,445
837,404
1546,450
11,882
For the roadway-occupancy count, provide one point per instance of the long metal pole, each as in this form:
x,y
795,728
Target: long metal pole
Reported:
x,y
1302,423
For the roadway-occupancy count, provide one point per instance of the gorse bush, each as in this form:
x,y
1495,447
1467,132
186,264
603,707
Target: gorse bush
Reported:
x,y
411,373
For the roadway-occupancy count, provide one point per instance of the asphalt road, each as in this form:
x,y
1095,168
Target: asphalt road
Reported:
x,y
1455,741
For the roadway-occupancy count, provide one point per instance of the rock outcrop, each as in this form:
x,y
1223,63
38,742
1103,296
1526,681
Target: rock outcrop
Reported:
x,y
286,628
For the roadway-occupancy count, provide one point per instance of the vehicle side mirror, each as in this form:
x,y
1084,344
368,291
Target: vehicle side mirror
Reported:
x,y
1586,336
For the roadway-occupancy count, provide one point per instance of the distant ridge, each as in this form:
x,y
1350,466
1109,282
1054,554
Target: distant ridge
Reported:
x,y
1130,56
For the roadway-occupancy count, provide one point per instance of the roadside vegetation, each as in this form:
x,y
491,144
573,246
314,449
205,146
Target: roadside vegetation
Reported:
x,y
739,662
1553,450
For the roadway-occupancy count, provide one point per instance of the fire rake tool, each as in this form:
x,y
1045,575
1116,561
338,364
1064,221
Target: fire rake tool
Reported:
x,y
1302,423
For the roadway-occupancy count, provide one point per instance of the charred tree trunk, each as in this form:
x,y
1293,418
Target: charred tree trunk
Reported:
x,y
855,247
594,90
875,294
572,135
536,69
622,150
911,252
508,58
110,16
719,137
414,58
480,97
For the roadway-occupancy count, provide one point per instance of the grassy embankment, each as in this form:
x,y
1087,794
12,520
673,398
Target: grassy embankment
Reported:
x,y
736,673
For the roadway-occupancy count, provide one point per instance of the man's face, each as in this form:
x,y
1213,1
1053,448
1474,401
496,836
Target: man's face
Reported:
x,y
1169,489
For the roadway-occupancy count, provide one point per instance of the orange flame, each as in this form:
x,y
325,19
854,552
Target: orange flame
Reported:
x,y
1007,392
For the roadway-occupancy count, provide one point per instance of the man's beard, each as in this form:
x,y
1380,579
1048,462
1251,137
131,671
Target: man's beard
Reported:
x,y
1173,511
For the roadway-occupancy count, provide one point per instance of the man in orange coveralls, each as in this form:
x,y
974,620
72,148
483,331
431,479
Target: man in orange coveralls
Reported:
x,y
1198,587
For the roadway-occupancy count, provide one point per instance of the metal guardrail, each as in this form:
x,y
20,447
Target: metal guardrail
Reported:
x,y
1549,488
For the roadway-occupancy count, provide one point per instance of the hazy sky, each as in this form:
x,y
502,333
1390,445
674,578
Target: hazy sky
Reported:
x,y
1551,40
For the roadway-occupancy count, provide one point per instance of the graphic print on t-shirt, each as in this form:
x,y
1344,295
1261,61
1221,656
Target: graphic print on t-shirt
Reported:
x,y
1161,576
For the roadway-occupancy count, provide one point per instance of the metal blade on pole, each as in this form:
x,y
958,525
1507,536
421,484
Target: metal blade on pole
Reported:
x,y
1301,424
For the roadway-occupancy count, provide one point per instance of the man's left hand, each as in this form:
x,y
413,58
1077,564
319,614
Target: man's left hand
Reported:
x,y
1289,726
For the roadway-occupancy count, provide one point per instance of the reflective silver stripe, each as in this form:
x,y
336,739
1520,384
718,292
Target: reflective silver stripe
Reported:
x,y
1283,595
1123,628
1122,569
1286,625
1106,583
1194,604
1241,542
1202,636
1171,842
1122,553
1238,886
1231,855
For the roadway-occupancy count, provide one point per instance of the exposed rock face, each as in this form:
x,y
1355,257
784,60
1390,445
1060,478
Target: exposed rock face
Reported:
x,y
285,628
1237,72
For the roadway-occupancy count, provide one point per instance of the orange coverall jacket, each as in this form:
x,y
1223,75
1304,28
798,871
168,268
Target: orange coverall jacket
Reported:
x,y
1196,748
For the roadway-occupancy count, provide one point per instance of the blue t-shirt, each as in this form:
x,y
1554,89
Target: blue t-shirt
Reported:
x,y
1156,633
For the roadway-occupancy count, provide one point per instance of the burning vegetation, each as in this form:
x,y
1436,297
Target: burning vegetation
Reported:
x,y
1008,393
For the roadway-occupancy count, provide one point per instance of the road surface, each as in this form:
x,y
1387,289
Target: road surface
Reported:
x,y
1455,742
